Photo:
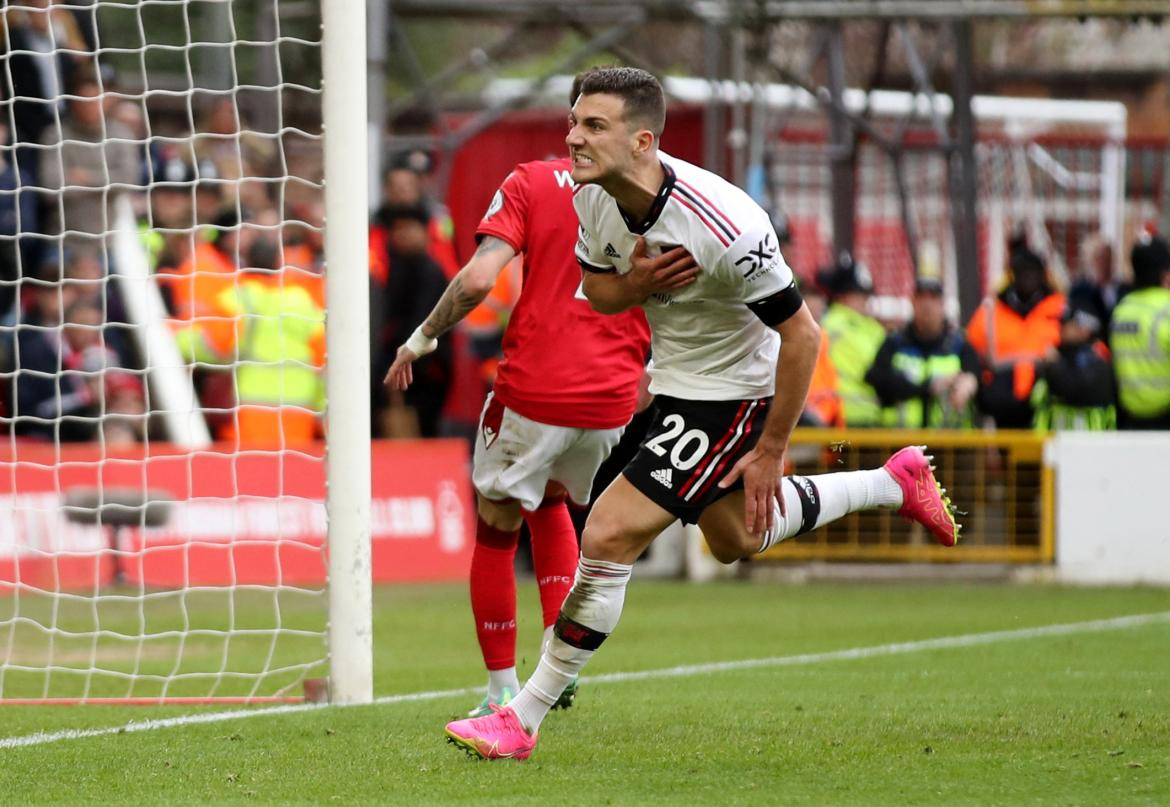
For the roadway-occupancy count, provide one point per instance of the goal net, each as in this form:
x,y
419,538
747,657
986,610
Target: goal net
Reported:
x,y
163,477
1049,169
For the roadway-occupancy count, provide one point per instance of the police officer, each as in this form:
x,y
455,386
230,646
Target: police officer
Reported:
x,y
1074,381
854,338
1140,340
926,374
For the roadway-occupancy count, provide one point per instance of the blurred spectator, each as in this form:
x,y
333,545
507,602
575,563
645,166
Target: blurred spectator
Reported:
x,y
926,374
69,373
304,237
40,67
211,189
152,155
90,155
1140,340
124,419
18,218
193,288
273,336
60,360
1013,331
854,338
413,287
241,156
822,406
402,187
301,247
1074,381
167,222
194,292
1097,290
85,273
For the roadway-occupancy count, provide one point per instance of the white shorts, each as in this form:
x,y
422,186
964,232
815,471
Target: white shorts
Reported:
x,y
515,458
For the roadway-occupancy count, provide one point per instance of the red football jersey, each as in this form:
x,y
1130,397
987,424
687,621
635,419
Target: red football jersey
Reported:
x,y
564,364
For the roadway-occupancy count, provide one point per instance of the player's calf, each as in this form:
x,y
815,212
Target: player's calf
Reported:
x,y
589,615
729,539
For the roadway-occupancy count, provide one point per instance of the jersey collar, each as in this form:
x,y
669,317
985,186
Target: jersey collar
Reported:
x,y
640,227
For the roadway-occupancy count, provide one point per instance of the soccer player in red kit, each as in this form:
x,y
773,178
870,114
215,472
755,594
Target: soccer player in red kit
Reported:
x,y
565,390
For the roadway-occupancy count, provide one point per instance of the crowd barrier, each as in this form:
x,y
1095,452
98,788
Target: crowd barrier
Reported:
x,y
997,480
79,516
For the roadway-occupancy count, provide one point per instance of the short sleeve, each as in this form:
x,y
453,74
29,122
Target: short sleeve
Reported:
x,y
589,253
754,264
506,217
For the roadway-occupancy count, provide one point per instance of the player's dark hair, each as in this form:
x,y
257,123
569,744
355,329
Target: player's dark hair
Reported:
x,y
641,93
575,92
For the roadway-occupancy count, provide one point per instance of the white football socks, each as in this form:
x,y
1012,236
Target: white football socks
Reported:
x,y
837,495
849,491
498,680
593,607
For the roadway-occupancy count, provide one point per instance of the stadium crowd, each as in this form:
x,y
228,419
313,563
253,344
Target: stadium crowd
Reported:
x,y
237,252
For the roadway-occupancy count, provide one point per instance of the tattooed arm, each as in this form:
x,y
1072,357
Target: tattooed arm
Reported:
x,y
466,290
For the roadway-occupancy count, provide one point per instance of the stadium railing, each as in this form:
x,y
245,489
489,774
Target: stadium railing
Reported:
x,y
997,480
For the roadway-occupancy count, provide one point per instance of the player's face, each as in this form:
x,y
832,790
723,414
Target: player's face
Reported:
x,y
600,142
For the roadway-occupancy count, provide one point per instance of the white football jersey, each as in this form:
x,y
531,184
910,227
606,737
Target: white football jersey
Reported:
x,y
707,345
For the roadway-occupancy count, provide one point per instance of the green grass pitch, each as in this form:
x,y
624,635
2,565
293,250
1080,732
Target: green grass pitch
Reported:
x,y
1077,718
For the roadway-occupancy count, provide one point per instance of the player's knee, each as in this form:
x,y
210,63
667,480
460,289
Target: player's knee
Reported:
x,y
607,536
501,515
601,537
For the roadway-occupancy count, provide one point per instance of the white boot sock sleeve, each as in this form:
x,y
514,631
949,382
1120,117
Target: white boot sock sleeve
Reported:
x,y
588,616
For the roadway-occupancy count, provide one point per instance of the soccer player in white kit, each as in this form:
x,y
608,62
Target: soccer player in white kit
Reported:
x,y
733,354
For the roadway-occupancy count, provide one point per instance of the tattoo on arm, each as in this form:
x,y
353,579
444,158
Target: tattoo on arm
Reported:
x,y
457,302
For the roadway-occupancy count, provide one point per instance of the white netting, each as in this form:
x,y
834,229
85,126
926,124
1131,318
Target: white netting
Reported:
x,y
161,484
1058,178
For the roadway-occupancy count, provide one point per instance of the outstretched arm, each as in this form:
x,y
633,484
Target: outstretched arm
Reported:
x,y
466,290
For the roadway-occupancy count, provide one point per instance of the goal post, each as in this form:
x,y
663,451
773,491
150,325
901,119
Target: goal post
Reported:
x,y
185,469
348,369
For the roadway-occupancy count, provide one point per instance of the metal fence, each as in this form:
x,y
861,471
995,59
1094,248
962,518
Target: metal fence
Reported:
x,y
996,479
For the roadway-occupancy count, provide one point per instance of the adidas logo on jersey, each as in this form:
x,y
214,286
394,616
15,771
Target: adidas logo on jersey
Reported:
x,y
610,252
662,475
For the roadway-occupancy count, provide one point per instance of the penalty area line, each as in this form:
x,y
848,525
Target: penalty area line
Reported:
x,y
872,651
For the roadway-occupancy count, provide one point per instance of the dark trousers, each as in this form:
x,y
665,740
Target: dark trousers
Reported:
x,y
1128,422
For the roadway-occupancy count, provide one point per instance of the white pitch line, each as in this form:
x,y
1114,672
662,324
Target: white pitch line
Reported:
x,y
873,651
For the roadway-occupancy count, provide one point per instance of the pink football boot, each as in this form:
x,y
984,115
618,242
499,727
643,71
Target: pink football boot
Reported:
x,y
496,736
923,499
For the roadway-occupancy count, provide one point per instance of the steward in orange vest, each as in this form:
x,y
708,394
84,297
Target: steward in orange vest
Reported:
x,y
1011,333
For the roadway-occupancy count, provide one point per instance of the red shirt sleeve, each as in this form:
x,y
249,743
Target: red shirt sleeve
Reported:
x,y
507,215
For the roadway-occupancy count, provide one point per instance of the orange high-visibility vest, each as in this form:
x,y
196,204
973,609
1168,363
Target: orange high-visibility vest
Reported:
x,y
1019,341
823,397
199,280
